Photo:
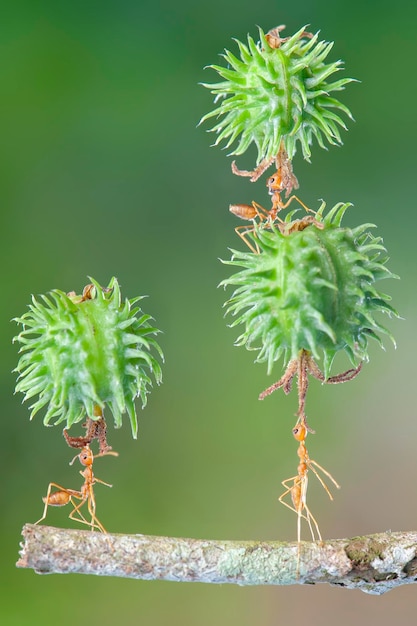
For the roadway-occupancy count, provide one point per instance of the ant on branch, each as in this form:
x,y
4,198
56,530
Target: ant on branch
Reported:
x,y
296,487
282,180
63,496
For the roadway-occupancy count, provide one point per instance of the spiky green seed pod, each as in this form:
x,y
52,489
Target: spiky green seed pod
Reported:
x,y
311,290
278,94
80,354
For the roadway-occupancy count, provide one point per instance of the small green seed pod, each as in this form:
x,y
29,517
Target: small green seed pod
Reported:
x,y
277,93
312,289
81,353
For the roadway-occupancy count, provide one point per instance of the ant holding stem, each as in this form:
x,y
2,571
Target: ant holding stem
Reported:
x,y
296,487
282,180
63,496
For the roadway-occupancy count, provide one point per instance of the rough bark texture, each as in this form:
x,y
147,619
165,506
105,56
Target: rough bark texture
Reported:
x,y
375,563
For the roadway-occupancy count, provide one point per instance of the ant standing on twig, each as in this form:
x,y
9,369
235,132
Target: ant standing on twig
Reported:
x,y
63,496
296,487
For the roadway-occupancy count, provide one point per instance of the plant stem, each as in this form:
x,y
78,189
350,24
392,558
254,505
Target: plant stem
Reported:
x,y
374,563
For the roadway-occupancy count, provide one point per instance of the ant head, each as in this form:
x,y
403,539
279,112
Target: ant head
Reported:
x,y
275,183
299,432
86,456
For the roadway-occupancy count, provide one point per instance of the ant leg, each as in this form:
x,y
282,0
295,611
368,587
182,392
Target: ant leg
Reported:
x,y
77,516
58,498
106,453
289,490
294,197
308,517
313,465
46,500
308,514
299,515
95,522
285,483
261,212
270,216
295,490
311,518
242,231
98,480
77,510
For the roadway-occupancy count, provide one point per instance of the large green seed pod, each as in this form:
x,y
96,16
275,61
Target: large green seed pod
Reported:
x,y
274,94
310,290
81,353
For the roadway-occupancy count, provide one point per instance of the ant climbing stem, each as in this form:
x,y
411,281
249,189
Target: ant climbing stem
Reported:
x,y
63,496
296,487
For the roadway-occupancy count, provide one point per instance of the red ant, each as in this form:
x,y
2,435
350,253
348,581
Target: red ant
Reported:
x,y
267,218
63,496
282,180
297,487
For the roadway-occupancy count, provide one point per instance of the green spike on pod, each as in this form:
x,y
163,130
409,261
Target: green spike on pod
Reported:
x,y
312,289
80,353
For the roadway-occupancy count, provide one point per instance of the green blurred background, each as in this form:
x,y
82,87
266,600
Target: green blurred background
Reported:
x,y
103,173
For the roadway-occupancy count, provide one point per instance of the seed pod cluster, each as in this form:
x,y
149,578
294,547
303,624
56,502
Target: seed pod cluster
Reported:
x,y
306,285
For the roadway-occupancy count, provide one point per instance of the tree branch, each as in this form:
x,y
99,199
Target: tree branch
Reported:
x,y
374,563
